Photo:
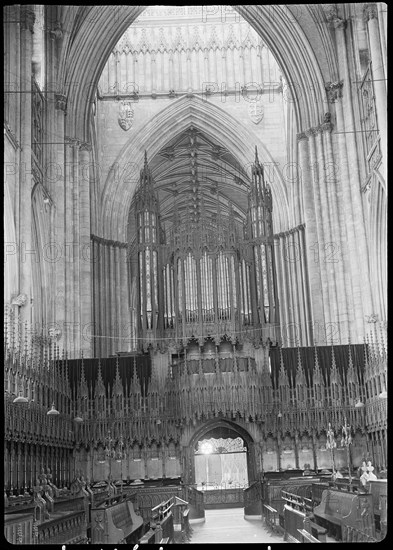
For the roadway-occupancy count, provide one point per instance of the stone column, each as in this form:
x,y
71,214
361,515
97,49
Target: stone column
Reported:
x,y
26,254
302,288
280,283
339,260
74,184
117,283
382,20
59,204
354,174
70,330
325,260
379,77
125,319
85,250
307,291
316,249
346,215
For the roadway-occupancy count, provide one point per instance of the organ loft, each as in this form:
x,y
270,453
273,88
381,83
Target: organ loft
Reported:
x,y
195,273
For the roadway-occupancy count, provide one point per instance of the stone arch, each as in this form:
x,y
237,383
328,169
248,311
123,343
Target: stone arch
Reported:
x,y
179,115
190,440
293,38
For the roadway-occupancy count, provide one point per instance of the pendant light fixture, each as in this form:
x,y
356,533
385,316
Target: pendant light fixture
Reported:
x,y
53,411
20,398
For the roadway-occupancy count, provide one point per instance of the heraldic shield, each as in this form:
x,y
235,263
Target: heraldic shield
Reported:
x,y
126,115
255,110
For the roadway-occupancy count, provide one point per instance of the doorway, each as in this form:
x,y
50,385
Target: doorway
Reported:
x,y
221,464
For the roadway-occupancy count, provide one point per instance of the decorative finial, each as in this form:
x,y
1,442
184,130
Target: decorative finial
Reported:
x,y
256,155
145,158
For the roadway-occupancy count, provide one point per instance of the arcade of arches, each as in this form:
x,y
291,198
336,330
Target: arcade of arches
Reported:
x,y
195,242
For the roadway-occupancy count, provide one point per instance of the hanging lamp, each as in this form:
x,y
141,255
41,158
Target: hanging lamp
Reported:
x,y
53,410
20,398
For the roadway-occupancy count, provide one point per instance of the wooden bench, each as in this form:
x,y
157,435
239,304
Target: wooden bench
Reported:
x,y
317,531
307,537
340,509
271,517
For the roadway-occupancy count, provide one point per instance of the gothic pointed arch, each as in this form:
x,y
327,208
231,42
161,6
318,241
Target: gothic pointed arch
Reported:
x,y
284,29
183,113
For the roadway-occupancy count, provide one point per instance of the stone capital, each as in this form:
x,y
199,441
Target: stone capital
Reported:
x,y
370,11
61,102
330,11
72,142
84,146
27,18
312,131
327,126
301,136
57,32
334,90
339,23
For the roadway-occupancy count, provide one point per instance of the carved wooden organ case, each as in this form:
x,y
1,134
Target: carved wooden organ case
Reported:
x,y
208,275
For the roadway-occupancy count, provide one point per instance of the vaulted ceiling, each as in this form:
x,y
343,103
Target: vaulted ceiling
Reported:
x,y
192,170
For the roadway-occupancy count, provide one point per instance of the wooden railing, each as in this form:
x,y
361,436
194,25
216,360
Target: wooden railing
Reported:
x,y
224,498
297,518
148,498
195,502
351,534
298,502
70,529
272,491
18,528
161,526
271,517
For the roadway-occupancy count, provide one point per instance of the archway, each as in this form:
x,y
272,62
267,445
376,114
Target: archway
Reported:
x,y
220,462
285,29
220,428
180,115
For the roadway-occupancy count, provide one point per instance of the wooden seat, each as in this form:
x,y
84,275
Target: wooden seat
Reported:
x,y
340,509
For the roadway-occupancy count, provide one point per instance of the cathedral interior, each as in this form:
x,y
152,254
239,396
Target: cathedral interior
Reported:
x,y
195,279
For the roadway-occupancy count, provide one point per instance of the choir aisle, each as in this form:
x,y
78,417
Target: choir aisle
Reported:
x,y
229,526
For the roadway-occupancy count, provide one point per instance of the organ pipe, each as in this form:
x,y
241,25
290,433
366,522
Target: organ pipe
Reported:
x,y
206,276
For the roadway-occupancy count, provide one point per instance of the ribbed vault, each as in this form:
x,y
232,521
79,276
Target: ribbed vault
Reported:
x,y
215,125
293,37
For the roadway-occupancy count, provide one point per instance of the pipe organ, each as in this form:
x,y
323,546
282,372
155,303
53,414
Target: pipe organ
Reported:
x,y
208,275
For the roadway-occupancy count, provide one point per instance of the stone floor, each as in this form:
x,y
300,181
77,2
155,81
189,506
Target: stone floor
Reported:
x,y
229,526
